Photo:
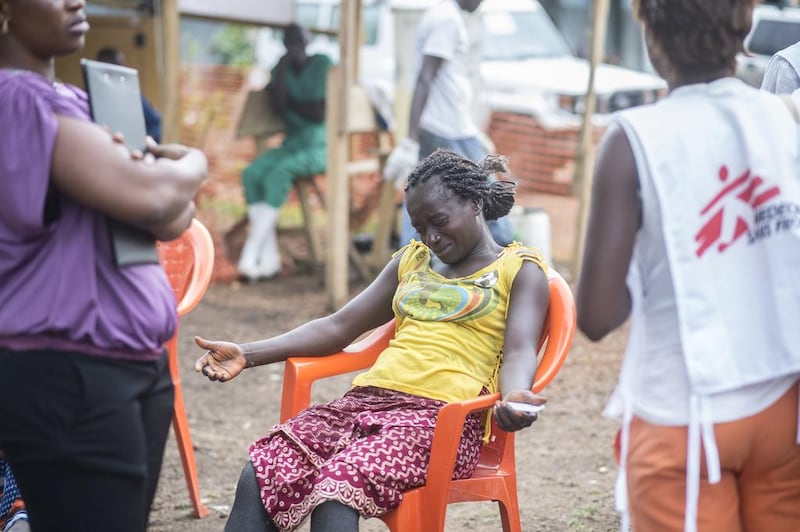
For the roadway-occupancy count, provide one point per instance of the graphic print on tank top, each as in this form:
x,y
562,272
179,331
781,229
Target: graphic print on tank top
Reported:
x,y
430,297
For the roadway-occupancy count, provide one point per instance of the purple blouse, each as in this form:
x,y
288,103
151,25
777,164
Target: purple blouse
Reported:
x,y
59,286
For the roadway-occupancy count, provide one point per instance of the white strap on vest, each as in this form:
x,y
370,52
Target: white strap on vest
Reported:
x,y
621,484
793,109
700,428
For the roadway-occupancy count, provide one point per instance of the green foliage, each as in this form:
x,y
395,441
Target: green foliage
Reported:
x,y
234,45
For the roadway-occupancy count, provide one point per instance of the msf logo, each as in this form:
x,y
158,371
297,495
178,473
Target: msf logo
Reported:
x,y
731,210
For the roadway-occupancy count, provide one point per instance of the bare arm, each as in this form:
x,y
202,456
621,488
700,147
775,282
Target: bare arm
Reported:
x,y
175,228
430,67
603,301
530,299
330,334
89,167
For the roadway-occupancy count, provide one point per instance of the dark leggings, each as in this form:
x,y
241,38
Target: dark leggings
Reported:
x,y
248,514
85,437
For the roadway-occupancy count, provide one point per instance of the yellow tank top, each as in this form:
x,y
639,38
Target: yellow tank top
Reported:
x,y
448,343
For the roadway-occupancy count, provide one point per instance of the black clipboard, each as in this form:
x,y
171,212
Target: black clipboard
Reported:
x,y
115,101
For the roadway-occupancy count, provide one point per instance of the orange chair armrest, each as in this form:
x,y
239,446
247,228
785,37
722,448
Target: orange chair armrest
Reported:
x,y
300,373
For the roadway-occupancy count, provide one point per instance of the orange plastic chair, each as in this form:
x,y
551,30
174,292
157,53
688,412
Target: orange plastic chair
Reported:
x,y
495,479
188,262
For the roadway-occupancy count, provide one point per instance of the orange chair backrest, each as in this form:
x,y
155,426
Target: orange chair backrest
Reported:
x,y
188,262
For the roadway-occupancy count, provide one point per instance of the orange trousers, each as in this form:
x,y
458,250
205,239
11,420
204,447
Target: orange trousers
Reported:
x,y
760,464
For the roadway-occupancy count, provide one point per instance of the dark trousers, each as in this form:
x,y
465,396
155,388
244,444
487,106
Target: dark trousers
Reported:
x,y
85,437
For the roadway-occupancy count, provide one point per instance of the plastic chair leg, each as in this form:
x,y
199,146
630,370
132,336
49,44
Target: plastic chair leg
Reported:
x,y
509,517
508,504
181,426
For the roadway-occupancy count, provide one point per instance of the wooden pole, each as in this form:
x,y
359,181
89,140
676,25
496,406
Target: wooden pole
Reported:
x,y
337,116
337,226
584,160
170,81
387,212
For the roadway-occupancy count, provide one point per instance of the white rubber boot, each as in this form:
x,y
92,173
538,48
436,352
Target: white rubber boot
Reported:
x,y
259,227
269,258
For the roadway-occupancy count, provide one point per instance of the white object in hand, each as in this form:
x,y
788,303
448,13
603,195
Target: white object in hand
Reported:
x,y
401,161
525,407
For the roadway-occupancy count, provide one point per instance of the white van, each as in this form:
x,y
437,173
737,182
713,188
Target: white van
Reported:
x,y
528,68
526,65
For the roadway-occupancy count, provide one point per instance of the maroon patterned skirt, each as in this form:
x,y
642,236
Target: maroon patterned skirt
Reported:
x,y
364,450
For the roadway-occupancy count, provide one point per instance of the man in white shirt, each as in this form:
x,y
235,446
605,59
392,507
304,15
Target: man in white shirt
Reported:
x,y
442,106
781,75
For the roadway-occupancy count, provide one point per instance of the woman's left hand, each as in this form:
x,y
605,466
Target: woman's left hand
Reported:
x,y
510,419
222,361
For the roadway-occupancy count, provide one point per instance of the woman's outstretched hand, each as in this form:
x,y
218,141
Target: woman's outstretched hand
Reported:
x,y
513,419
222,360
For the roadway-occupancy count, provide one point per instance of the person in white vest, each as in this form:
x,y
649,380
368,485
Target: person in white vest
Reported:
x,y
694,233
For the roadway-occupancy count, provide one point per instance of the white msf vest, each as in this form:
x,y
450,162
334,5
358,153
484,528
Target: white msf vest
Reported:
x,y
723,160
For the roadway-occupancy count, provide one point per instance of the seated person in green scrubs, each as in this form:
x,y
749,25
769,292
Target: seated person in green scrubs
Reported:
x,y
297,93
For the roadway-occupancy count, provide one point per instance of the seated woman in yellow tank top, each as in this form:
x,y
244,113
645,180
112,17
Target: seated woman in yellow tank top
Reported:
x,y
464,309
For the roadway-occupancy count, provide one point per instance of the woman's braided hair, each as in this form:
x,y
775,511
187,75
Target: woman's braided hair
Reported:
x,y
468,180
696,36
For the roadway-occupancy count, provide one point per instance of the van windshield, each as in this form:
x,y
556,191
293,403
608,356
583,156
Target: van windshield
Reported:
x,y
770,36
515,35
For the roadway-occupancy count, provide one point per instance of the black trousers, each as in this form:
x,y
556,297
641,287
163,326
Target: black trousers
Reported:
x,y
85,437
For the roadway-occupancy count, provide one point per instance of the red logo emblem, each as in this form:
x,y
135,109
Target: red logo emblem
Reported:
x,y
732,210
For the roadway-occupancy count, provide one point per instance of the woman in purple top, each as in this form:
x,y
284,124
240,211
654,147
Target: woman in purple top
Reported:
x,y
86,399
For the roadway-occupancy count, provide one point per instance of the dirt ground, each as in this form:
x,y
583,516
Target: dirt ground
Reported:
x,y
565,463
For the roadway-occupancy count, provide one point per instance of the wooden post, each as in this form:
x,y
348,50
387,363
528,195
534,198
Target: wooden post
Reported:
x,y
337,226
584,161
338,117
170,84
387,212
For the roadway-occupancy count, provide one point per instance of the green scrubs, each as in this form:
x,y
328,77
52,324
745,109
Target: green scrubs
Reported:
x,y
303,152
